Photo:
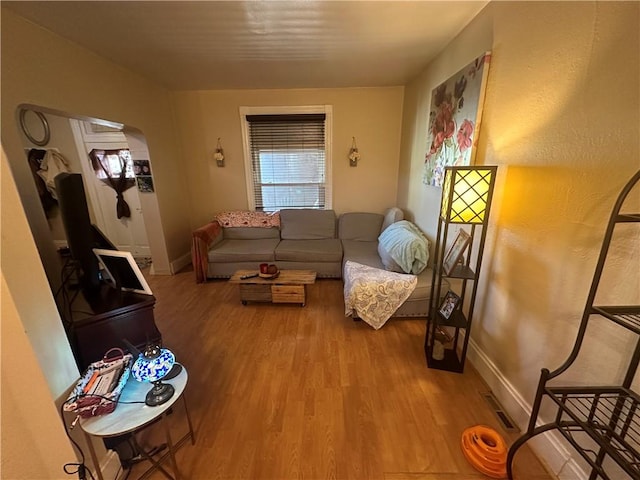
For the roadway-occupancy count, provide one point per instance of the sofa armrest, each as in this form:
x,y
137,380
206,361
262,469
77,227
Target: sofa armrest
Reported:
x,y
202,239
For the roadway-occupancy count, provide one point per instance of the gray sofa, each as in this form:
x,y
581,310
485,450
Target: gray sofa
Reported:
x,y
307,239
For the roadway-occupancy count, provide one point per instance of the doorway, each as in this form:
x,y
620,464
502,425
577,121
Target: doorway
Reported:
x,y
127,233
61,139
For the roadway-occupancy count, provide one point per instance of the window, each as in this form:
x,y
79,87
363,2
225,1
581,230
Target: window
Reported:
x,y
110,163
287,159
113,165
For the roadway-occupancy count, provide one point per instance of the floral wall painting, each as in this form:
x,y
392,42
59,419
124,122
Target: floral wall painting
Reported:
x,y
454,120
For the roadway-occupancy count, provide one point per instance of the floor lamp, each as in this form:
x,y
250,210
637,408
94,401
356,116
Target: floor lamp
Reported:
x,y
466,201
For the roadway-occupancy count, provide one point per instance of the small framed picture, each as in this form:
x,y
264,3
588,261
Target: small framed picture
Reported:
x,y
449,304
145,184
141,167
455,252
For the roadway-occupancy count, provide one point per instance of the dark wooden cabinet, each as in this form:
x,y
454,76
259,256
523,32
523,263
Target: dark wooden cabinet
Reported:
x,y
104,320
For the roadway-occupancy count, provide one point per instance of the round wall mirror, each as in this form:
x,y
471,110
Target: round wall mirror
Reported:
x,y
35,127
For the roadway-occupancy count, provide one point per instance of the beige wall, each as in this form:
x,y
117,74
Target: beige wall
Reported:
x,y
29,416
372,115
562,122
31,420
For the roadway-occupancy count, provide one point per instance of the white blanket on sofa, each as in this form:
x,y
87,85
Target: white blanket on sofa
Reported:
x,y
374,294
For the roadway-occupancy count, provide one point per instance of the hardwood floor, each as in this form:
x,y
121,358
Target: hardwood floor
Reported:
x,y
284,392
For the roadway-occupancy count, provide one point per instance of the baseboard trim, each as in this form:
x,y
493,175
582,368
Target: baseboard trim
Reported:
x,y
110,465
174,267
548,447
180,263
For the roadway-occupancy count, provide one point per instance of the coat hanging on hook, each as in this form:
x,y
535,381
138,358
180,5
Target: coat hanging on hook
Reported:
x,y
35,158
51,165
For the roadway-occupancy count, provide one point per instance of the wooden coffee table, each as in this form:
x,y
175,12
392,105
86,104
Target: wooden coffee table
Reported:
x,y
288,287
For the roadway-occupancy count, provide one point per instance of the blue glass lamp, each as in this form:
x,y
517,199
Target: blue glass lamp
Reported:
x,y
152,365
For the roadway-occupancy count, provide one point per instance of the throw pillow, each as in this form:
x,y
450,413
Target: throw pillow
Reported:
x,y
391,216
246,218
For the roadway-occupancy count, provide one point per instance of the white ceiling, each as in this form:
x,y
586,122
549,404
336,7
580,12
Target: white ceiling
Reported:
x,y
187,45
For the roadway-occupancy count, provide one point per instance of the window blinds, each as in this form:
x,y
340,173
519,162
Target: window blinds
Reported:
x,y
287,160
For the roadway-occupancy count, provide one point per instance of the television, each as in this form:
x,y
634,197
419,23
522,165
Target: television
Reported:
x,y
80,233
122,271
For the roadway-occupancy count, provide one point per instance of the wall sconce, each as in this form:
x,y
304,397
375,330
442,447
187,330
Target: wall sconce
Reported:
x,y
219,155
354,155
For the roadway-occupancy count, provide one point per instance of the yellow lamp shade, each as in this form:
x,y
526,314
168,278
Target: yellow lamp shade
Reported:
x,y
466,194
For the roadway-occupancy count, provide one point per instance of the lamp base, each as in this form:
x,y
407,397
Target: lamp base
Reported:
x,y
159,394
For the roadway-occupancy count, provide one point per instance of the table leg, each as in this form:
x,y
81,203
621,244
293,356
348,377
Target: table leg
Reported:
x,y
94,458
170,446
186,409
155,463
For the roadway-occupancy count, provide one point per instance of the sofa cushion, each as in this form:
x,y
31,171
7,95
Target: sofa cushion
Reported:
x,y
360,226
406,245
326,250
391,216
232,250
365,253
307,224
250,233
423,288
